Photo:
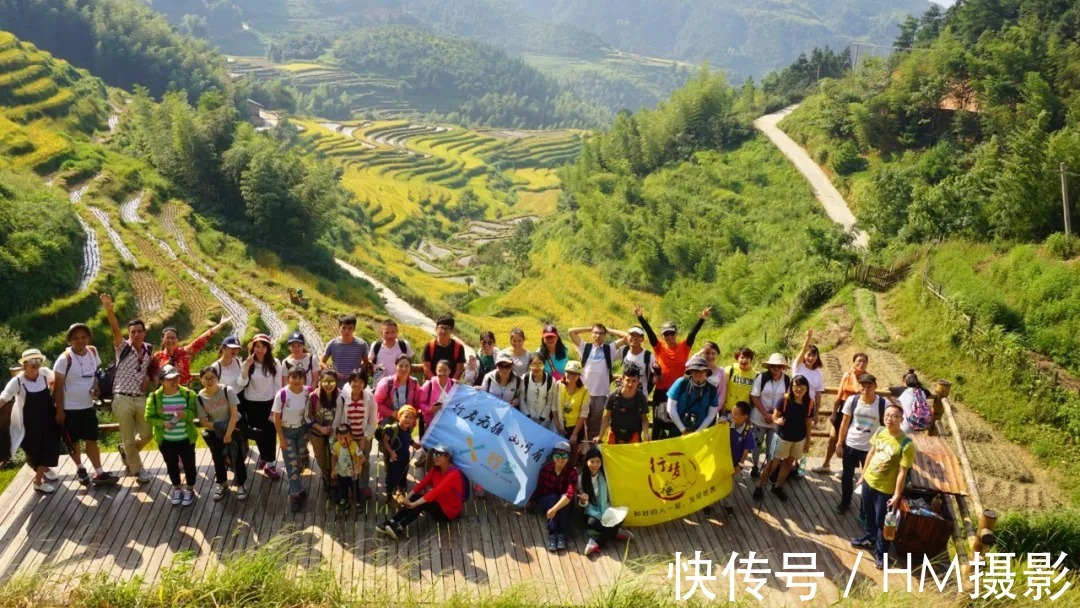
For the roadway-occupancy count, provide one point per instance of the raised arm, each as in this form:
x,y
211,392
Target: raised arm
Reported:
x,y
200,342
575,336
639,312
118,336
805,347
690,337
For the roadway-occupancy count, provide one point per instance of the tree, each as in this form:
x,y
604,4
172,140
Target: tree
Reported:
x,y
520,245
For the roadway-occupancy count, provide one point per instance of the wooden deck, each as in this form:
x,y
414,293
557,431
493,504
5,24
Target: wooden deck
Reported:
x,y
128,531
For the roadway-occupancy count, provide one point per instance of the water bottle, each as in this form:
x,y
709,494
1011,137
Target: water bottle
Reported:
x,y
891,519
801,471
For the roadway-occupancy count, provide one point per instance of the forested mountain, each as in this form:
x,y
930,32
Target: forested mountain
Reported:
x,y
960,132
120,41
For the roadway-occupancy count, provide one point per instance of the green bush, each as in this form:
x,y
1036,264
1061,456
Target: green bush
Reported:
x,y
846,160
1053,532
1062,247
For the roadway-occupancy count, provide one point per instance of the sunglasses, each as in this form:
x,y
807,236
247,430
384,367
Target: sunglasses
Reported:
x,y
560,455
437,454
328,381
487,342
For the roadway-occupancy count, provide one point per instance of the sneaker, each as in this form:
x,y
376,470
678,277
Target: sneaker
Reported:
x,y
366,493
842,508
879,562
186,498
142,477
241,492
822,469
755,473
386,530
174,497
592,547
478,491
759,494
51,476
729,511
624,535
780,493
343,505
220,490
552,545
82,476
272,472
260,465
863,542
294,503
104,478
45,487
560,542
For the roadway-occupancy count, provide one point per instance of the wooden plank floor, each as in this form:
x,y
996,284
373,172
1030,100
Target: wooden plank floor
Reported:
x,y
127,531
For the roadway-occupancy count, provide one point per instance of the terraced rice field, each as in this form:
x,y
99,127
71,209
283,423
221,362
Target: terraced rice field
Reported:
x,y
148,293
114,237
129,211
91,264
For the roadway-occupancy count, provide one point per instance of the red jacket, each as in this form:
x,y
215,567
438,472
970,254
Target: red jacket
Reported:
x,y
447,490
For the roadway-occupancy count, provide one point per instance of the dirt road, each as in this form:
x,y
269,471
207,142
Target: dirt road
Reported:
x,y
835,205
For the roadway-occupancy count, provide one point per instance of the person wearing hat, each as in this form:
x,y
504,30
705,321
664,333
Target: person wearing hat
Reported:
x,y
768,391
502,382
671,355
171,411
135,373
228,365
594,497
863,414
75,387
440,494
634,353
33,425
692,401
261,379
597,358
626,415
572,415
300,357
553,351
172,353
555,490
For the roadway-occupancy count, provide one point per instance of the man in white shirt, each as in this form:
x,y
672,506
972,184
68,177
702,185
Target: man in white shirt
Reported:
x,y
74,391
597,359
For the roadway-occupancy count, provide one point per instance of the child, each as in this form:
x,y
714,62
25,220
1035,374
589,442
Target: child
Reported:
x,y
395,440
472,372
324,413
742,444
357,408
171,412
594,497
347,463
219,416
291,412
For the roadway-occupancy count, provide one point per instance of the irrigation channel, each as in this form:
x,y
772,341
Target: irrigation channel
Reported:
x,y
129,211
91,250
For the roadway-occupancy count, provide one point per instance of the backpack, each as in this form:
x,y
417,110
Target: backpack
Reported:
x,y
431,350
651,368
313,399
547,388
920,416
107,378
402,345
881,405
587,350
766,376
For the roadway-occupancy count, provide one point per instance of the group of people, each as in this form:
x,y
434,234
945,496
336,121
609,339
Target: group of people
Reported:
x,y
334,408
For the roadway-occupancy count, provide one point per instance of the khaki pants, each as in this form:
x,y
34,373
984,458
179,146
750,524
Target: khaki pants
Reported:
x,y
596,415
130,414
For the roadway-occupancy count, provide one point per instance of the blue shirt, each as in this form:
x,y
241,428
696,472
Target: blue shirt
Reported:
x,y
346,357
741,439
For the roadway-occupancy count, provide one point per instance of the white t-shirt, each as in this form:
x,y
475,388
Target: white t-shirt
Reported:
x,y
259,386
813,377
594,372
79,380
307,362
388,355
507,393
294,410
772,393
865,421
229,375
521,362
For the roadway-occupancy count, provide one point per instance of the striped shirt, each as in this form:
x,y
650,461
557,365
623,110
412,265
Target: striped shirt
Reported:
x,y
172,405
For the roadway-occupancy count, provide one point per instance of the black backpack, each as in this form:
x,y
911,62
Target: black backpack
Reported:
x,y
107,378
651,369
587,350
881,406
766,376
402,345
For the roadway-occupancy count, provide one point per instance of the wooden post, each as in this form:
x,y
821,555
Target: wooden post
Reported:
x,y
1065,200
985,538
942,388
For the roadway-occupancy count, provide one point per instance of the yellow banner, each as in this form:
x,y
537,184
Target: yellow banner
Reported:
x,y
664,480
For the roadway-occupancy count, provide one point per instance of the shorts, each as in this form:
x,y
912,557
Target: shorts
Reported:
x,y
788,449
80,425
837,417
634,437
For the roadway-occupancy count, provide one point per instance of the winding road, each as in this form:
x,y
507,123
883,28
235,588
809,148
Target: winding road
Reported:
x,y
835,205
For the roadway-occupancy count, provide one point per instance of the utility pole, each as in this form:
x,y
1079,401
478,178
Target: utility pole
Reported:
x,y
1065,199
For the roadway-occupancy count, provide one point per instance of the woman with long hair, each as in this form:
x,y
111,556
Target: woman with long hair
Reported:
x,y
518,353
595,498
324,411
849,385
261,379
485,355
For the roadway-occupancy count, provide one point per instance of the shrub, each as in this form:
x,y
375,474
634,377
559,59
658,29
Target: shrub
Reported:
x,y
1054,532
846,160
1062,247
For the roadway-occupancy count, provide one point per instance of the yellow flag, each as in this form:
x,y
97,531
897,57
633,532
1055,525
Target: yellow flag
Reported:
x,y
664,480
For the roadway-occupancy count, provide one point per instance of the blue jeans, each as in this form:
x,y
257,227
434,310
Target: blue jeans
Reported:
x,y
874,508
560,524
763,436
297,439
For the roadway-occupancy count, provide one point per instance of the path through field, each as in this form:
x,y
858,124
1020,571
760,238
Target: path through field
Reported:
x,y
395,305
835,205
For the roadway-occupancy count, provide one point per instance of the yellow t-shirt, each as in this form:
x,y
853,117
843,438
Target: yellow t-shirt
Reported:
x,y
739,384
572,405
890,455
